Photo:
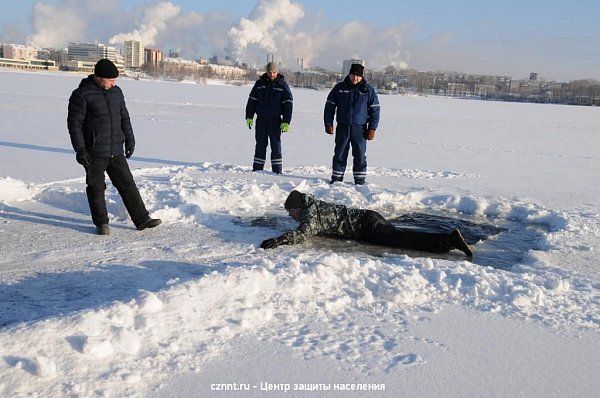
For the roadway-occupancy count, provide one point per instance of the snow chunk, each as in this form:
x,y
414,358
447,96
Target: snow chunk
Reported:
x,y
169,214
97,347
125,341
557,285
521,301
44,367
12,190
149,303
337,305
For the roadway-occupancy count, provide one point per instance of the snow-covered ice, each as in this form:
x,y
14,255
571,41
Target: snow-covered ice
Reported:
x,y
194,302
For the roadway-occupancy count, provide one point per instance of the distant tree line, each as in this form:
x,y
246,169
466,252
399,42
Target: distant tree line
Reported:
x,y
503,88
392,80
197,72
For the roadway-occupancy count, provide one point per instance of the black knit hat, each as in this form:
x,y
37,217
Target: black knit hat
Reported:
x,y
106,69
357,69
293,201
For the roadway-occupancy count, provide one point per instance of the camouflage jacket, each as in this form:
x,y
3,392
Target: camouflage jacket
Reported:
x,y
326,219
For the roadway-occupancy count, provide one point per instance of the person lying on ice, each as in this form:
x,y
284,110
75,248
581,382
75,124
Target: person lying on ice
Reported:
x,y
321,218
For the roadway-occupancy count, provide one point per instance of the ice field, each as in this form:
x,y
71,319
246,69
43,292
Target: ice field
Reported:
x,y
171,311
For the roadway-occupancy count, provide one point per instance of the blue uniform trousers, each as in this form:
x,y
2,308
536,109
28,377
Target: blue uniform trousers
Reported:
x,y
268,130
346,135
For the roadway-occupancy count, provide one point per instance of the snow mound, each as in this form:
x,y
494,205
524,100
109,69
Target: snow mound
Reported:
x,y
409,174
199,193
12,190
71,196
282,295
302,296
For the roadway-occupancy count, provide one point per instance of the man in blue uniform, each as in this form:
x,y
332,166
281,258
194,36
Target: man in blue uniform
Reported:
x,y
320,218
357,118
272,101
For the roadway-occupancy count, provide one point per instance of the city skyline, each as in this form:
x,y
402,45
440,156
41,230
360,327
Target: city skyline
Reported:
x,y
559,41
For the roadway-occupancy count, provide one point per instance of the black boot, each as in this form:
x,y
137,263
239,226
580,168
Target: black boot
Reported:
x,y
102,229
149,223
457,242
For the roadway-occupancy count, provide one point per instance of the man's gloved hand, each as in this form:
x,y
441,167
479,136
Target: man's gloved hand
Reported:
x,y
273,243
84,158
129,150
285,127
370,134
329,129
249,122
269,244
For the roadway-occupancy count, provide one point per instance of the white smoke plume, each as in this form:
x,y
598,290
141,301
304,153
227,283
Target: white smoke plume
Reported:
x,y
153,21
59,22
160,23
267,27
280,27
283,28
55,25
378,47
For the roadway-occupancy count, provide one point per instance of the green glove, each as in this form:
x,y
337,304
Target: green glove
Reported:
x,y
285,127
249,122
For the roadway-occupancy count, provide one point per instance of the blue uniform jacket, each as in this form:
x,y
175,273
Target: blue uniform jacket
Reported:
x,y
270,100
357,105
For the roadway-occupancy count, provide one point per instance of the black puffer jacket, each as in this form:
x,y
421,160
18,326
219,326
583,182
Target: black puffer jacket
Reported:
x,y
98,120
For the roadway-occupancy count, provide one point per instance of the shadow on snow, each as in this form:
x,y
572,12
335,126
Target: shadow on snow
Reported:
x,y
70,152
59,294
52,220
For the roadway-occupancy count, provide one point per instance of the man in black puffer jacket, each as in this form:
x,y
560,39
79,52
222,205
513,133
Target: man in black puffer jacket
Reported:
x,y
99,126
317,217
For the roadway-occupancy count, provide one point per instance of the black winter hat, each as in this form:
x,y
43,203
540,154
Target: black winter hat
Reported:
x,y
106,69
293,201
357,69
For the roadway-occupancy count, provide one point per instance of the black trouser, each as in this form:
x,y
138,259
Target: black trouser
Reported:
x,y
377,230
120,175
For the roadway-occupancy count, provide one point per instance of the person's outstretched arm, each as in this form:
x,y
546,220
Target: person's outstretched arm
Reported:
x,y
309,226
291,237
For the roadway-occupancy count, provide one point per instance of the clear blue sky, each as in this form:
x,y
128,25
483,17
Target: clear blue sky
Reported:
x,y
558,38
